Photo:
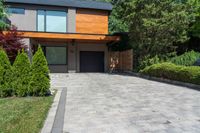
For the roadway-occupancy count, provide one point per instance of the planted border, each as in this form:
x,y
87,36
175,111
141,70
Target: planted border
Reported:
x,y
189,74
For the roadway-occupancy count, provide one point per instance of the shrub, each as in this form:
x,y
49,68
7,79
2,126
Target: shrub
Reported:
x,y
187,59
21,74
12,43
5,73
40,80
148,61
171,71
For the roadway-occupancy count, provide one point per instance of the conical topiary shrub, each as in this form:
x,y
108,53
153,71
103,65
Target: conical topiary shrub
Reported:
x,y
5,73
21,74
40,79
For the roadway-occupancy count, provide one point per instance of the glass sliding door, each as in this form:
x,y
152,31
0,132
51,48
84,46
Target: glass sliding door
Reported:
x,y
52,21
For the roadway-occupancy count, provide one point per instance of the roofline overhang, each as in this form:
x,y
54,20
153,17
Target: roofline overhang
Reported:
x,y
67,36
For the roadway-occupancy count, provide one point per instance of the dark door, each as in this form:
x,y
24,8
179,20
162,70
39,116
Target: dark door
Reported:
x,y
91,61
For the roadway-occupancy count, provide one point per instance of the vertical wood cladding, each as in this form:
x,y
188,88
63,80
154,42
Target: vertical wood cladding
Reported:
x,y
91,21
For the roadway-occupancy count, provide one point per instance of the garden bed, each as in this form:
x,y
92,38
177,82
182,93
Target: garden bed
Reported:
x,y
23,115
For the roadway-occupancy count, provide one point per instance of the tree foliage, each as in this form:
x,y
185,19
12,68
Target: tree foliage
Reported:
x,y
195,28
40,79
156,25
21,74
12,43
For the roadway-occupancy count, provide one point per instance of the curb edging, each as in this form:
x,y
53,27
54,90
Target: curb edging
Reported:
x,y
49,122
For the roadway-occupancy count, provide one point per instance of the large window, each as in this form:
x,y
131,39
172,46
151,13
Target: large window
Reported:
x,y
52,21
16,10
56,55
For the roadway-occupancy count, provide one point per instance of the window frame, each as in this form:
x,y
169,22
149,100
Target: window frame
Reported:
x,y
44,51
45,20
16,12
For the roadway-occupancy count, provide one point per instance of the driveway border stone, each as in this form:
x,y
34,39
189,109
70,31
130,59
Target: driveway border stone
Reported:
x,y
49,122
60,114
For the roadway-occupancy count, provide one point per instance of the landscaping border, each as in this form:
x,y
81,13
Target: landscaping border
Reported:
x,y
168,81
49,122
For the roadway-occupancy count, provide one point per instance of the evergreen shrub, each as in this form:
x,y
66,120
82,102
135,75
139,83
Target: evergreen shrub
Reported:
x,y
21,74
40,79
6,75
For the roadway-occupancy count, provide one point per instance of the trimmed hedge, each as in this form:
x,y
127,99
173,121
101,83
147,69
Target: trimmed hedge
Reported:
x,y
190,74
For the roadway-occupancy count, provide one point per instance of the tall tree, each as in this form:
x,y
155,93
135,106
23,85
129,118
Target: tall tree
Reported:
x,y
156,25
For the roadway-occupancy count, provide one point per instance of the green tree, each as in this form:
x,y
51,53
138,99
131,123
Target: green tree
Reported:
x,y
3,16
21,74
40,79
5,73
195,28
155,26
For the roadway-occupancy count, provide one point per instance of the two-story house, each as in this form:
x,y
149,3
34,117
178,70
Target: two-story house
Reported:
x,y
73,34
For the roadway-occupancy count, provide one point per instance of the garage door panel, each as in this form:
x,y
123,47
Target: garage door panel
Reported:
x,y
91,61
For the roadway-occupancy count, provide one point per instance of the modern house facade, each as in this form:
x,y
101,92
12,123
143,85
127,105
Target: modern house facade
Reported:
x,y
73,34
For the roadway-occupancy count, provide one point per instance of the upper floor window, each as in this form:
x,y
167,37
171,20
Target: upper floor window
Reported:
x,y
16,10
51,21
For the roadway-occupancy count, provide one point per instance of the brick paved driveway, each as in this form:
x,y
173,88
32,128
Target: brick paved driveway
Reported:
x,y
103,103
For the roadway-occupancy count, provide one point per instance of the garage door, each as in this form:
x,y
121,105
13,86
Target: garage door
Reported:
x,y
91,61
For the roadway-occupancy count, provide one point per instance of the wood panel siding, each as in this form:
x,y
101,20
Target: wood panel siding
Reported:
x,y
92,21
65,36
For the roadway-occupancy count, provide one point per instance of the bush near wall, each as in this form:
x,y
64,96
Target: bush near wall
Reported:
x,y
24,78
186,59
147,61
190,74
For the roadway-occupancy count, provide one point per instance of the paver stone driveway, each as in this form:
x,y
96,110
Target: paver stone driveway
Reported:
x,y
104,103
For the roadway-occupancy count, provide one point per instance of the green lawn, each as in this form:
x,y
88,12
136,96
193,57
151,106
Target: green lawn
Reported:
x,y
23,115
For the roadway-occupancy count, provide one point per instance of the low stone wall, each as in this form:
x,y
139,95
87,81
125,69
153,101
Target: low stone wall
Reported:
x,y
121,60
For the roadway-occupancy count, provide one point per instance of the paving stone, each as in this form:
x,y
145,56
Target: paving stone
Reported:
x,y
104,103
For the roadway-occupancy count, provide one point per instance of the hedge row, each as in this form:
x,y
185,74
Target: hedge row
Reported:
x,y
190,74
23,78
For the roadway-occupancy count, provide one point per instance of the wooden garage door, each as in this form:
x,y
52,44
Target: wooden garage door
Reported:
x,y
91,61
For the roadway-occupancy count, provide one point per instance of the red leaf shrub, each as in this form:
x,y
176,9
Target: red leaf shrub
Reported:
x,y
12,43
